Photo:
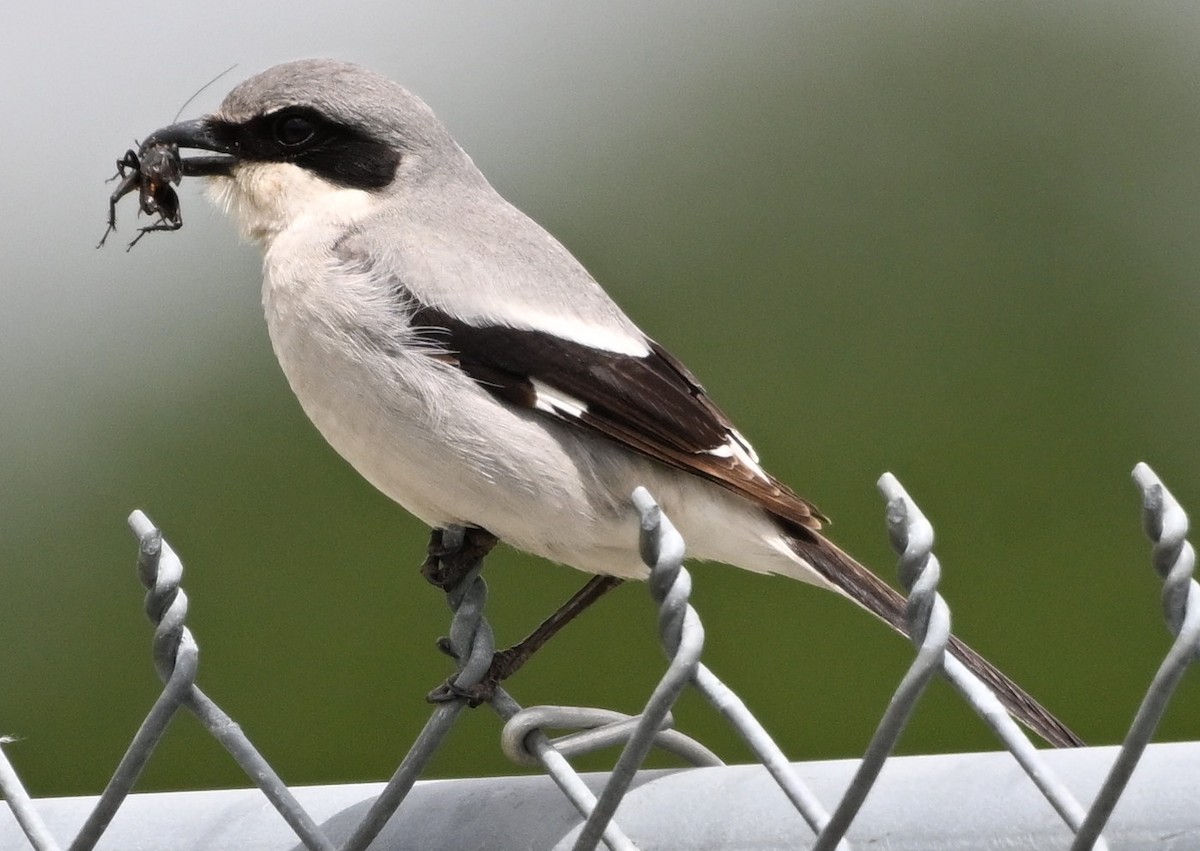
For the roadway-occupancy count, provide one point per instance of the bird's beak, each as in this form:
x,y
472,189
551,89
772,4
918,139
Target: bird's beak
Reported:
x,y
205,134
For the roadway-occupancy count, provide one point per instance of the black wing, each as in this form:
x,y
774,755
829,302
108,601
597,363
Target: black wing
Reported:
x,y
651,404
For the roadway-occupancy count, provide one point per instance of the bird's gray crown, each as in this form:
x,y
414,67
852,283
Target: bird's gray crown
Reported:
x,y
344,93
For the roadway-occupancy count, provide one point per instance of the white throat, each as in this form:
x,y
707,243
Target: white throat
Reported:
x,y
268,198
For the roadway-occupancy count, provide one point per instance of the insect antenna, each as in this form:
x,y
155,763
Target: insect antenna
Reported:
x,y
198,91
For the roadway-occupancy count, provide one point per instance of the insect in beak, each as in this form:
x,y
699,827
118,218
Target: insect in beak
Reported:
x,y
155,168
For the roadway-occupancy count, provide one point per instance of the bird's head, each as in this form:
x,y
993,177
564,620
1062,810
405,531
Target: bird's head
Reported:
x,y
316,140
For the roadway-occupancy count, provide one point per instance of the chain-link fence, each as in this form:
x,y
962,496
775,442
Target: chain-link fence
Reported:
x,y
1018,798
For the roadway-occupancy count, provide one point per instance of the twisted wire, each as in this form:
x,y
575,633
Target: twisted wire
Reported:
x,y
596,729
1166,525
166,604
662,548
176,659
564,776
928,616
471,644
682,635
471,641
911,536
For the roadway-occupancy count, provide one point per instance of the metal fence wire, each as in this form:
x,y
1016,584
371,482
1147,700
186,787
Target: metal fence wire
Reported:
x,y
978,800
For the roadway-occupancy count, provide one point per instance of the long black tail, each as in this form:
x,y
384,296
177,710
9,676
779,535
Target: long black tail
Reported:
x,y
883,601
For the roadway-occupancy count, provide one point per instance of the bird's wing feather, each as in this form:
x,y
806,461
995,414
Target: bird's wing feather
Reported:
x,y
651,404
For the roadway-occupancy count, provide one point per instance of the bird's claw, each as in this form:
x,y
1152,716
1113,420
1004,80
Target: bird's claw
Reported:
x,y
498,671
446,565
474,695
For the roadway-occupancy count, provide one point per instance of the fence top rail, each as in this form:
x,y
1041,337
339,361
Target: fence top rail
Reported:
x,y
948,801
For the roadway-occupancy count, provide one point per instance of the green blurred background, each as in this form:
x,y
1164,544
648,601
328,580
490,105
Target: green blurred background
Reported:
x,y
954,241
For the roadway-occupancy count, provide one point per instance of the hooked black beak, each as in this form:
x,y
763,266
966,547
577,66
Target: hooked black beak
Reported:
x,y
204,134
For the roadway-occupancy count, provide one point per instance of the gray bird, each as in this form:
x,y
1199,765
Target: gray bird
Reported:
x,y
470,368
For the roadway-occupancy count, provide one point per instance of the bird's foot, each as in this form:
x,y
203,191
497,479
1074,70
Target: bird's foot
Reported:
x,y
452,556
475,695
504,664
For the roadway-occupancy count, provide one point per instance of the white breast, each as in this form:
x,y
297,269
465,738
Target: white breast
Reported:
x,y
419,429
429,437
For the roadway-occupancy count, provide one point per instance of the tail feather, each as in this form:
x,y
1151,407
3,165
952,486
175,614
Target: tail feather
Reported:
x,y
883,601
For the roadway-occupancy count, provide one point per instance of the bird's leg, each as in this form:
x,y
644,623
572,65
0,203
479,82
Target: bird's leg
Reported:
x,y
445,567
507,662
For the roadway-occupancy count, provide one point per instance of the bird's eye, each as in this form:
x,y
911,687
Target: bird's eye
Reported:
x,y
294,130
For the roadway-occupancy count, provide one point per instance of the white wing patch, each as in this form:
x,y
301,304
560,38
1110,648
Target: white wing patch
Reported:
x,y
556,402
741,441
738,447
605,337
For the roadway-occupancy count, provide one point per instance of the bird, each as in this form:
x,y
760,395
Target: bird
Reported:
x,y
468,366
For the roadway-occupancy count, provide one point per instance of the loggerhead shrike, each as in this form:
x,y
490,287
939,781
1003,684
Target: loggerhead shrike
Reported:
x,y
470,368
